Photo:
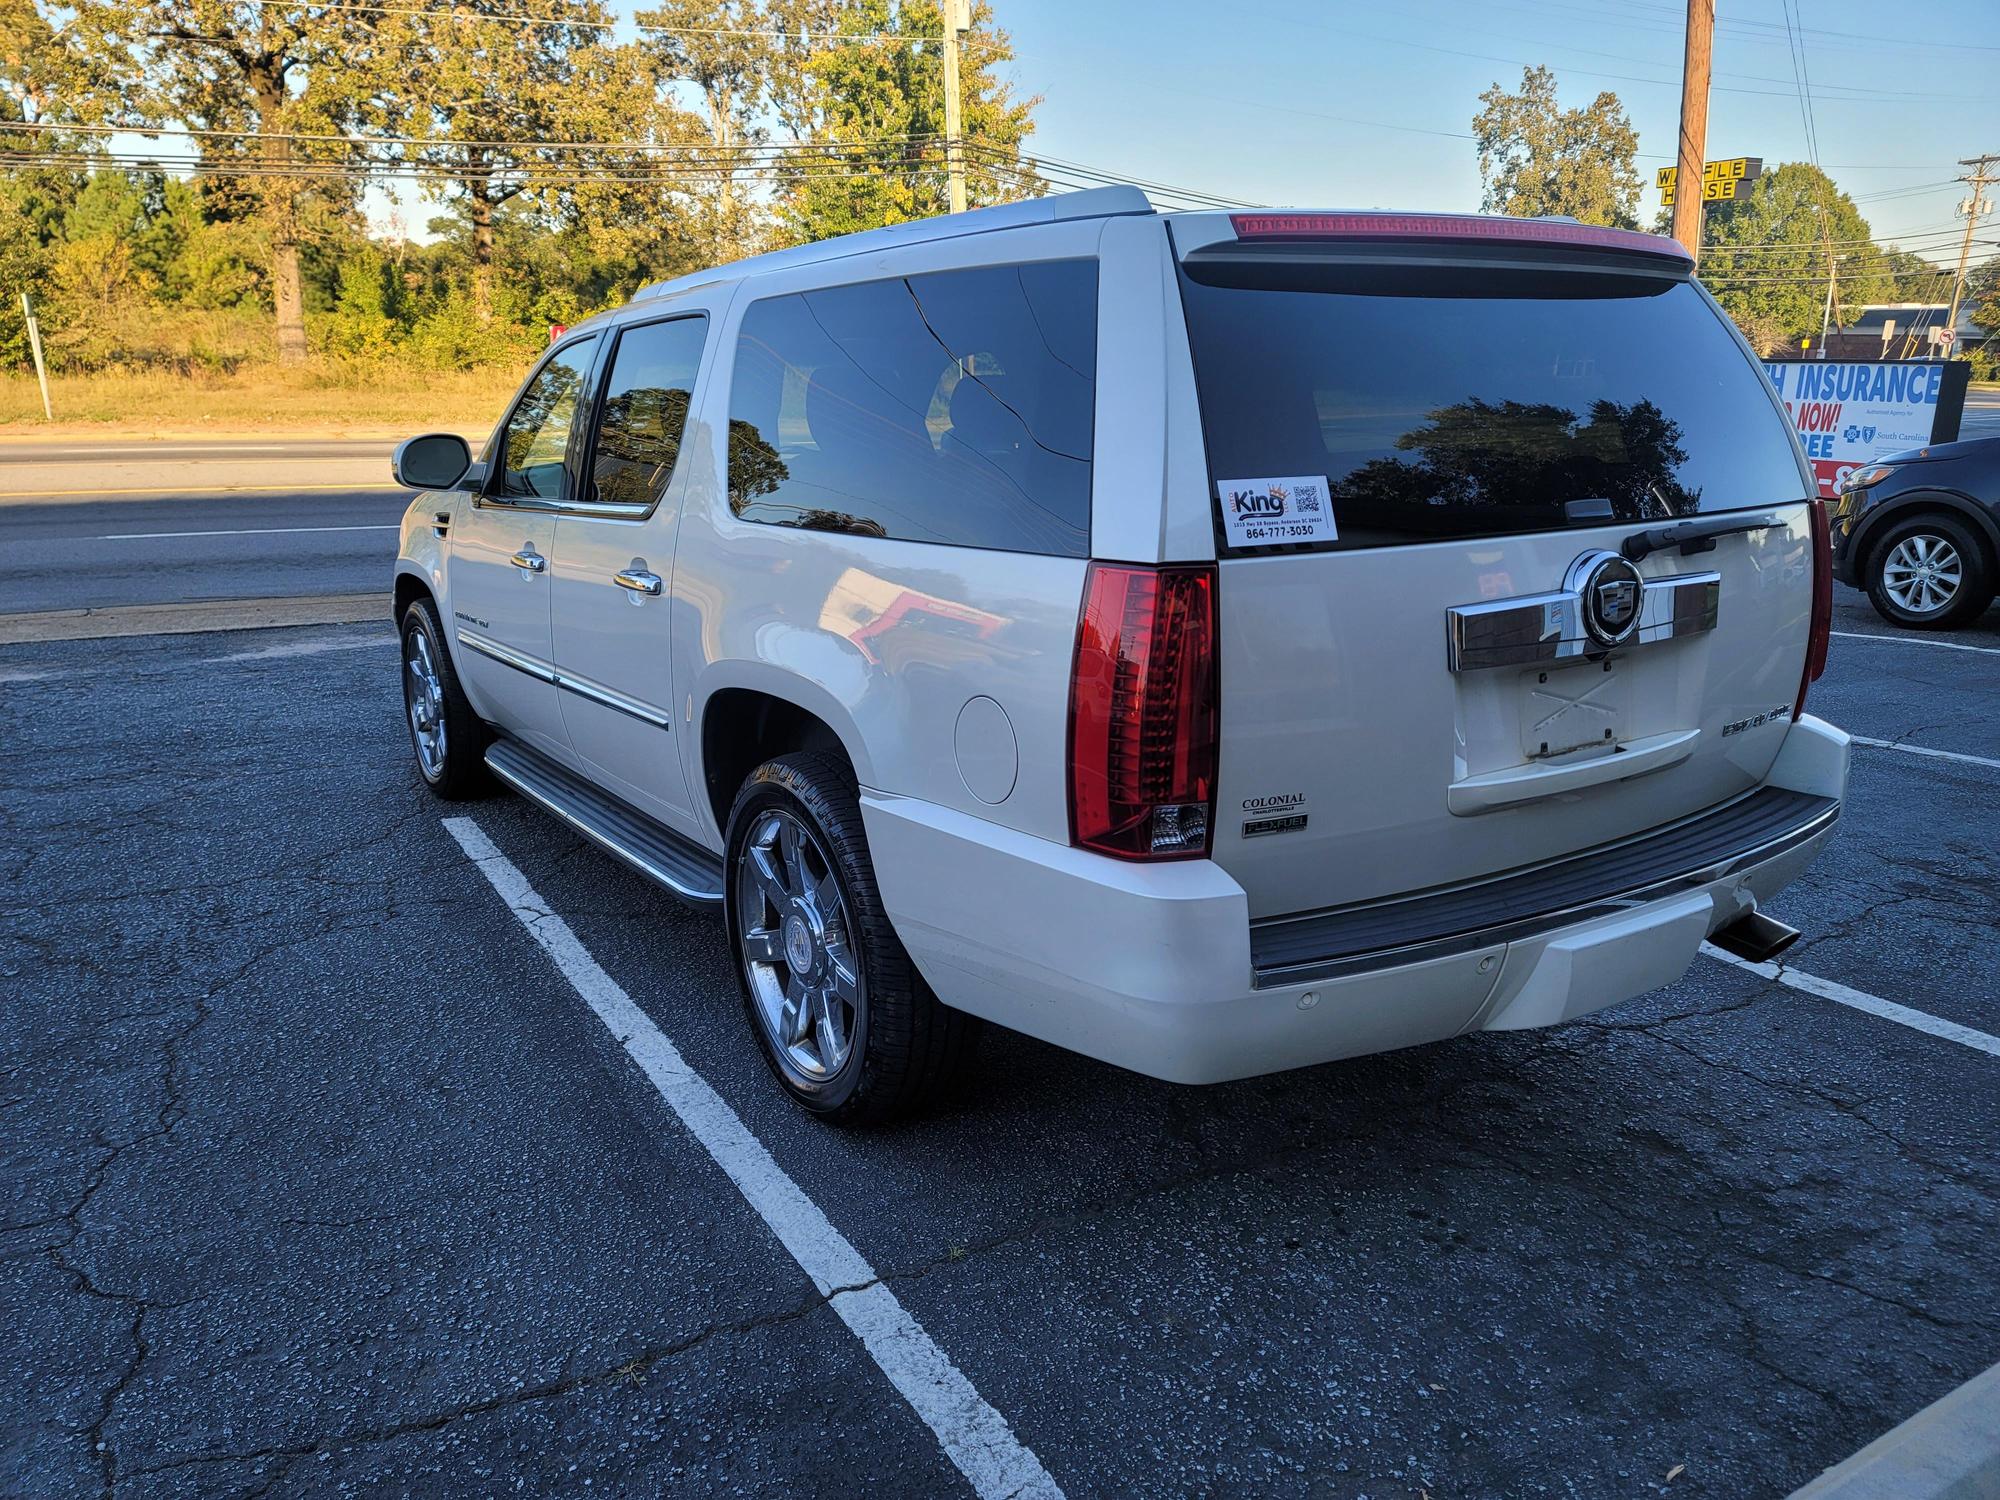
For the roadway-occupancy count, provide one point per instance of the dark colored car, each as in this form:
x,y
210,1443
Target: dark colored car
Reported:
x,y
1920,531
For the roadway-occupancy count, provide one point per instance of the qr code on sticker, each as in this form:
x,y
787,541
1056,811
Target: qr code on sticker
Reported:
x,y
1306,500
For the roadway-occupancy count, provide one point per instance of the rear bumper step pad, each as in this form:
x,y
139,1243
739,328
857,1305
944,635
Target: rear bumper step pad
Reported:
x,y
1506,907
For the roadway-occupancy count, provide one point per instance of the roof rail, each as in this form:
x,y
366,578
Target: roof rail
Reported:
x,y
1090,203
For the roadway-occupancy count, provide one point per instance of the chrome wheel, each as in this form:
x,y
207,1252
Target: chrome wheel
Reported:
x,y
798,945
1922,573
423,696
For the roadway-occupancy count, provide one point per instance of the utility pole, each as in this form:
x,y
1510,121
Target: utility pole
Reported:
x,y
956,19
1973,208
1688,185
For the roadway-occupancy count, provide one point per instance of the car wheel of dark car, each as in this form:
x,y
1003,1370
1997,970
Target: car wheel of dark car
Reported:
x,y
1929,573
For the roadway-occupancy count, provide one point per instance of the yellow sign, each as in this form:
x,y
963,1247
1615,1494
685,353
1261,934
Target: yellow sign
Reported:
x,y
1720,180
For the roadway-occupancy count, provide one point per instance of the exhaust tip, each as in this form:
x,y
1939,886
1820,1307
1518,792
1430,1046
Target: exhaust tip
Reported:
x,y
1755,937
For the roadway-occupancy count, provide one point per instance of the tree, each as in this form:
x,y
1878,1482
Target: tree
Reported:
x,y
1536,158
1766,255
875,104
495,108
724,49
271,75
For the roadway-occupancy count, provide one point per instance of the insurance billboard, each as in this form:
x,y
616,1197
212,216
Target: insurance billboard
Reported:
x,y
1850,411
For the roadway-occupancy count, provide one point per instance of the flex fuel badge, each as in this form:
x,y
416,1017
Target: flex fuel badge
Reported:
x,y
1276,512
1283,812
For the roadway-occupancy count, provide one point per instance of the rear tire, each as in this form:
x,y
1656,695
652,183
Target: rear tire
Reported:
x,y
1929,573
842,1016
447,738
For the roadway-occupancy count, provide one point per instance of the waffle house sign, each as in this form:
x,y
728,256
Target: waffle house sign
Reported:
x,y
1720,180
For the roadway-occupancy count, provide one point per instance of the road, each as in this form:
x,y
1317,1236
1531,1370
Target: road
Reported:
x,y
94,526
1982,414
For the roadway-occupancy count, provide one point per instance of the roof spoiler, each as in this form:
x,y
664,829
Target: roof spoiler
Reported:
x,y
1460,228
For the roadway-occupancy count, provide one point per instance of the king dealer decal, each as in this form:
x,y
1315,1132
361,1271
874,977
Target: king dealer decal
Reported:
x,y
1276,512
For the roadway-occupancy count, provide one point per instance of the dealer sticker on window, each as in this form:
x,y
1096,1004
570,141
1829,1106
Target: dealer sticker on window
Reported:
x,y
1276,512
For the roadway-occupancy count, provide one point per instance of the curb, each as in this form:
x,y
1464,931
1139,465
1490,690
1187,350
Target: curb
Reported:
x,y
190,619
1948,1451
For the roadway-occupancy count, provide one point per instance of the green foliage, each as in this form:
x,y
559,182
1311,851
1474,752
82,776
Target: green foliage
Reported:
x,y
1766,256
557,156
879,94
1536,158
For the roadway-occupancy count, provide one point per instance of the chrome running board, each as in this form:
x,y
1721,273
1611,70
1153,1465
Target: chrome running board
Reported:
x,y
651,848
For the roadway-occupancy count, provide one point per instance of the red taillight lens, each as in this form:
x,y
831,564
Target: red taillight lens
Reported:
x,y
1821,630
1143,712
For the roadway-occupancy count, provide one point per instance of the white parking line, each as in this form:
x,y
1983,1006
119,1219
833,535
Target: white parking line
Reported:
x,y
148,536
1913,640
1970,760
975,1437
1888,1010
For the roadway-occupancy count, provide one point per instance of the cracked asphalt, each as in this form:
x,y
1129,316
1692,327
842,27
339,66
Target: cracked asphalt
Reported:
x,y
320,1180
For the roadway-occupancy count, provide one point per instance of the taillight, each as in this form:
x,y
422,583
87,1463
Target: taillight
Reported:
x,y
1821,629
1143,712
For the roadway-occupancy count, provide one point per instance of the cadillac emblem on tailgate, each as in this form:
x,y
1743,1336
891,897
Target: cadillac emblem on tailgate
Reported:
x,y
1610,587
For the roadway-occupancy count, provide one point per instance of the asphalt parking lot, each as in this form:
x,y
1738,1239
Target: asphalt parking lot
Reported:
x,y
322,1178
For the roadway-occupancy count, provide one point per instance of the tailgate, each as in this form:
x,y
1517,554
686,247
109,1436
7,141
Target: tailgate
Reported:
x,y
1436,663
1357,763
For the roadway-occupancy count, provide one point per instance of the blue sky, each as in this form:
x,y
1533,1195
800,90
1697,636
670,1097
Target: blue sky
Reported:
x,y
1291,102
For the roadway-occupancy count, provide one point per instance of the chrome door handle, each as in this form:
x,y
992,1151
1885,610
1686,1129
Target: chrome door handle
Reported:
x,y
533,561
638,581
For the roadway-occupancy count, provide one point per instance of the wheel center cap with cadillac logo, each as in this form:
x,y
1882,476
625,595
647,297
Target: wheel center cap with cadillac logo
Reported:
x,y
1610,591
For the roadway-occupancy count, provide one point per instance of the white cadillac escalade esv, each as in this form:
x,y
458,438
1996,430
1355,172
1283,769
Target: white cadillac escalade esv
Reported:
x,y
1215,643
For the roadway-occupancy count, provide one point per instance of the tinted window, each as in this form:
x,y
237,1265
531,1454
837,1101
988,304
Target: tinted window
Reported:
x,y
954,407
536,442
645,407
1458,403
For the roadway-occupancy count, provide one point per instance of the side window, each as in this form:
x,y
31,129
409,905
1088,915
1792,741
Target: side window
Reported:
x,y
951,407
645,407
536,442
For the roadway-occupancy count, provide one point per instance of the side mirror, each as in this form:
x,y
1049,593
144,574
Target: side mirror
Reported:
x,y
435,461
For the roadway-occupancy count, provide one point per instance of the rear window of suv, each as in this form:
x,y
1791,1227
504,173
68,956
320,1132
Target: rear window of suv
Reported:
x,y
1452,402
951,407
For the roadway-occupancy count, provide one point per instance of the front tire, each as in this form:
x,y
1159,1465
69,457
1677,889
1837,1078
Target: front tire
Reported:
x,y
842,1016
1929,573
448,739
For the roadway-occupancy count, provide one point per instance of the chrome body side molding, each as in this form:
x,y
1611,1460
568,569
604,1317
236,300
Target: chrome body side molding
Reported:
x,y
583,687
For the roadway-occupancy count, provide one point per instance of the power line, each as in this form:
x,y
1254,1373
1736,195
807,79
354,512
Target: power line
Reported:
x,y
462,16
354,140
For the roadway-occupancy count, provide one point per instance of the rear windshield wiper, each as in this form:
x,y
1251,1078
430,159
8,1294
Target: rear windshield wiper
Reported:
x,y
1690,536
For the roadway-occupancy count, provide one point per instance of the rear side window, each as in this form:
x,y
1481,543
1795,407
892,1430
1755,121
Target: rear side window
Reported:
x,y
1443,403
646,400
952,407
